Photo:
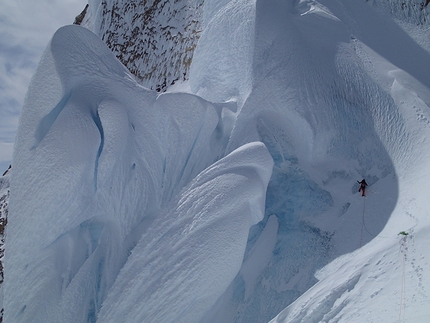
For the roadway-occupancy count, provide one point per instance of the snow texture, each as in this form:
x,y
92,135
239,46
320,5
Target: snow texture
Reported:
x,y
236,201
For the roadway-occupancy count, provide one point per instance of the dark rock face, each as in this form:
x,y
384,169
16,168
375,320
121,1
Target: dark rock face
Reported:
x,y
154,39
79,18
4,210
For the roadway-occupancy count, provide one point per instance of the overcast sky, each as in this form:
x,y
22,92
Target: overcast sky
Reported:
x,y
25,28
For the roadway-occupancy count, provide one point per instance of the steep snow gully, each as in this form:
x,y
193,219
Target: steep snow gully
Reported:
x,y
236,201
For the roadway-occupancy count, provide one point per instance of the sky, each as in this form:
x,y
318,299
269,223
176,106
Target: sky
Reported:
x,y
25,28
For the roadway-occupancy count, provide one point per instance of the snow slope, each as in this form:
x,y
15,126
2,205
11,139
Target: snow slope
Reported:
x,y
229,203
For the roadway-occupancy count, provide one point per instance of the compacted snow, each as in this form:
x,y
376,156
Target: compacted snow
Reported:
x,y
236,201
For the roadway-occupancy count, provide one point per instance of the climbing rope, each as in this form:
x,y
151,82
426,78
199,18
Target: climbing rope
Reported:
x,y
403,249
362,222
363,225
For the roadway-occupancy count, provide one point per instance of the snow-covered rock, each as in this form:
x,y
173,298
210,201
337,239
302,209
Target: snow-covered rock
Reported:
x,y
154,39
4,211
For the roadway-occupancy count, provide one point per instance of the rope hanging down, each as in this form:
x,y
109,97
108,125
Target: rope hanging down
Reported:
x,y
362,222
363,225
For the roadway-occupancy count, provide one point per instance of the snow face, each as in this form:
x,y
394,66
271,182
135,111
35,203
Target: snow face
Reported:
x,y
383,281
329,111
229,203
229,32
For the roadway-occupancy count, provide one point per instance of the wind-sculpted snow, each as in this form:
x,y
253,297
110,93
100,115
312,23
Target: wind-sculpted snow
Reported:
x,y
380,282
194,249
229,33
316,110
109,157
144,202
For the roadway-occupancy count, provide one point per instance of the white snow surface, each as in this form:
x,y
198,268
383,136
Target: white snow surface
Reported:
x,y
237,201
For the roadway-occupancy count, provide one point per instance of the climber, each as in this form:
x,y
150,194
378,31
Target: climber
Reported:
x,y
362,188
